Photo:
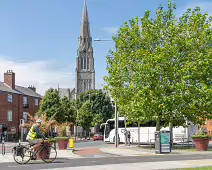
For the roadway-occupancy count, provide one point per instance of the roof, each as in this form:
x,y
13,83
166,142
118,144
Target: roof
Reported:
x,y
65,92
6,88
27,91
19,90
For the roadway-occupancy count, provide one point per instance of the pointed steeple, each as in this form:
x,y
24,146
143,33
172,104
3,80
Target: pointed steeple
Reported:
x,y
85,27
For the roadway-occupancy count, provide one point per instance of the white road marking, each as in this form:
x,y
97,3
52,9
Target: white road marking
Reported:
x,y
16,166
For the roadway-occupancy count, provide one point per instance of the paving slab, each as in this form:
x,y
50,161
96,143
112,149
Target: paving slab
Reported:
x,y
133,150
61,154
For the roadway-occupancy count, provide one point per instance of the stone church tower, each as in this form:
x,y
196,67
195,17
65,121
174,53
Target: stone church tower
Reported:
x,y
85,73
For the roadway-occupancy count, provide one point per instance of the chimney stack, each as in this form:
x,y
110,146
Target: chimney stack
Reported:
x,y
33,88
9,78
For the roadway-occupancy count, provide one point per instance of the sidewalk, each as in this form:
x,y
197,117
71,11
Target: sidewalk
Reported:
x,y
133,150
61,154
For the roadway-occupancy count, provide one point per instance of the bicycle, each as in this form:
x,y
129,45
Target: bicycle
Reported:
x,y
23,151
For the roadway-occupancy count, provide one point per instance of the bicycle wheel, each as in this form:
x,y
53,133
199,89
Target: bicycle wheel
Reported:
x,y
21,154
48,154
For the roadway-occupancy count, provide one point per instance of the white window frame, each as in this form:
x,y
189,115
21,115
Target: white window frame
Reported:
x,y
25,115
36,102
25,100
10,98
9,115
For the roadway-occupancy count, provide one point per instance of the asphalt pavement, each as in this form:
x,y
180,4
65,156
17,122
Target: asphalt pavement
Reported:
x,y
65,163
91,144
78,144
106,161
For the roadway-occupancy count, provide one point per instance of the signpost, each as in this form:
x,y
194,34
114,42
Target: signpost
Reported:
x,y
22,123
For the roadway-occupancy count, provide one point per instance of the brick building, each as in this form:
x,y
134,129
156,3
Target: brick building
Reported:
x,y
15,102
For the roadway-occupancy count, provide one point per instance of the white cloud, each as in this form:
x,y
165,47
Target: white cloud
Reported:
x,y
111,30
43,74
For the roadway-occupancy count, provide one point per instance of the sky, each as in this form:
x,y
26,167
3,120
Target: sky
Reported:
x,y
39,38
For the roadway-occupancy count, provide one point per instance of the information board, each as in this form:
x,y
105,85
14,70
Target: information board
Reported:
x,y
165,141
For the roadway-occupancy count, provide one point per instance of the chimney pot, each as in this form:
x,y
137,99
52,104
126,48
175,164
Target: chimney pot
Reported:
x,y
33,88
9,78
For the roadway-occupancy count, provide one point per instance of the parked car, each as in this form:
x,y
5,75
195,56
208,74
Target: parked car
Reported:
x,y
98,137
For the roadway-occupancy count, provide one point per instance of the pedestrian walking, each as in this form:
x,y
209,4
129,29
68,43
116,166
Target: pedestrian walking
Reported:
x,y
128,137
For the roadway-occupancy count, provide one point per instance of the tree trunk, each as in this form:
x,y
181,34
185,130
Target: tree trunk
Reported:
x,y
158,125
171,133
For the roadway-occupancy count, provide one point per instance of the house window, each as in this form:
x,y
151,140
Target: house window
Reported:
x,y
10,98
36,102
25,116
25,100
9,115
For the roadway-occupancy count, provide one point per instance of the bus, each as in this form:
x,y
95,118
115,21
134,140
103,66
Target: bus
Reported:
x,y
147,131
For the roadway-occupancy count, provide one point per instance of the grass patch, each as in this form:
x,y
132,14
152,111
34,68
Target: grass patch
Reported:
x,y
201,168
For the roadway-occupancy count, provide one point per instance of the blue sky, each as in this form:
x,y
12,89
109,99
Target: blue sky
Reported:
x,y
38,38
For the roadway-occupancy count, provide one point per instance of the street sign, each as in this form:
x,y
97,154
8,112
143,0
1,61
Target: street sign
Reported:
x,y
21,121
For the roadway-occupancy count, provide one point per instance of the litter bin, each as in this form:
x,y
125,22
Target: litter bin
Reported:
x,y
162,141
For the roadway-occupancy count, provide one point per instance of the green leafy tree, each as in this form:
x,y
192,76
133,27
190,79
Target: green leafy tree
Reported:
x,y
85,116
68,114
161,69
51,104
101,106
97,120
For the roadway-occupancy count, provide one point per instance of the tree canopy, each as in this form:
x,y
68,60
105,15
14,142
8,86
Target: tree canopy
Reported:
x,y
52,103
162,67
101,106
85,116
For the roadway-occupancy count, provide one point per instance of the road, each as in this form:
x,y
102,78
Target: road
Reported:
x,y
91,144
94,158
87,144
91,149
63,163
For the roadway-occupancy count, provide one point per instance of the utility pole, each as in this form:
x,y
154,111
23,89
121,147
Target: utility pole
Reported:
x,y
138,134
116,125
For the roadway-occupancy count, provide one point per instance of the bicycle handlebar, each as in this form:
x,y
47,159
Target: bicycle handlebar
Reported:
x,y
44,140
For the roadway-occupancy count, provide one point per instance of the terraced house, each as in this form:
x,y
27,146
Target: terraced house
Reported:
x,y
15,102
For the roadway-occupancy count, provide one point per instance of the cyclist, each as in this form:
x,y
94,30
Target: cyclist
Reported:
x,y
34,135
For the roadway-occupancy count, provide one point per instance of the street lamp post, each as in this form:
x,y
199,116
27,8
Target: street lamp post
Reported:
x,y
116,125
76,126
116,113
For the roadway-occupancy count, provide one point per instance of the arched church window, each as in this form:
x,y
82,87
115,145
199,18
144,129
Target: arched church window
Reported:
x,y
84,40
87,62
85,86
84,62
81,62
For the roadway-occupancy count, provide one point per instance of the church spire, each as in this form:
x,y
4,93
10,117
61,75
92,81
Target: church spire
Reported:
x,y
85,27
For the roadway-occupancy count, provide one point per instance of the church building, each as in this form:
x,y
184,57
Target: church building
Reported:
x,y
85,73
